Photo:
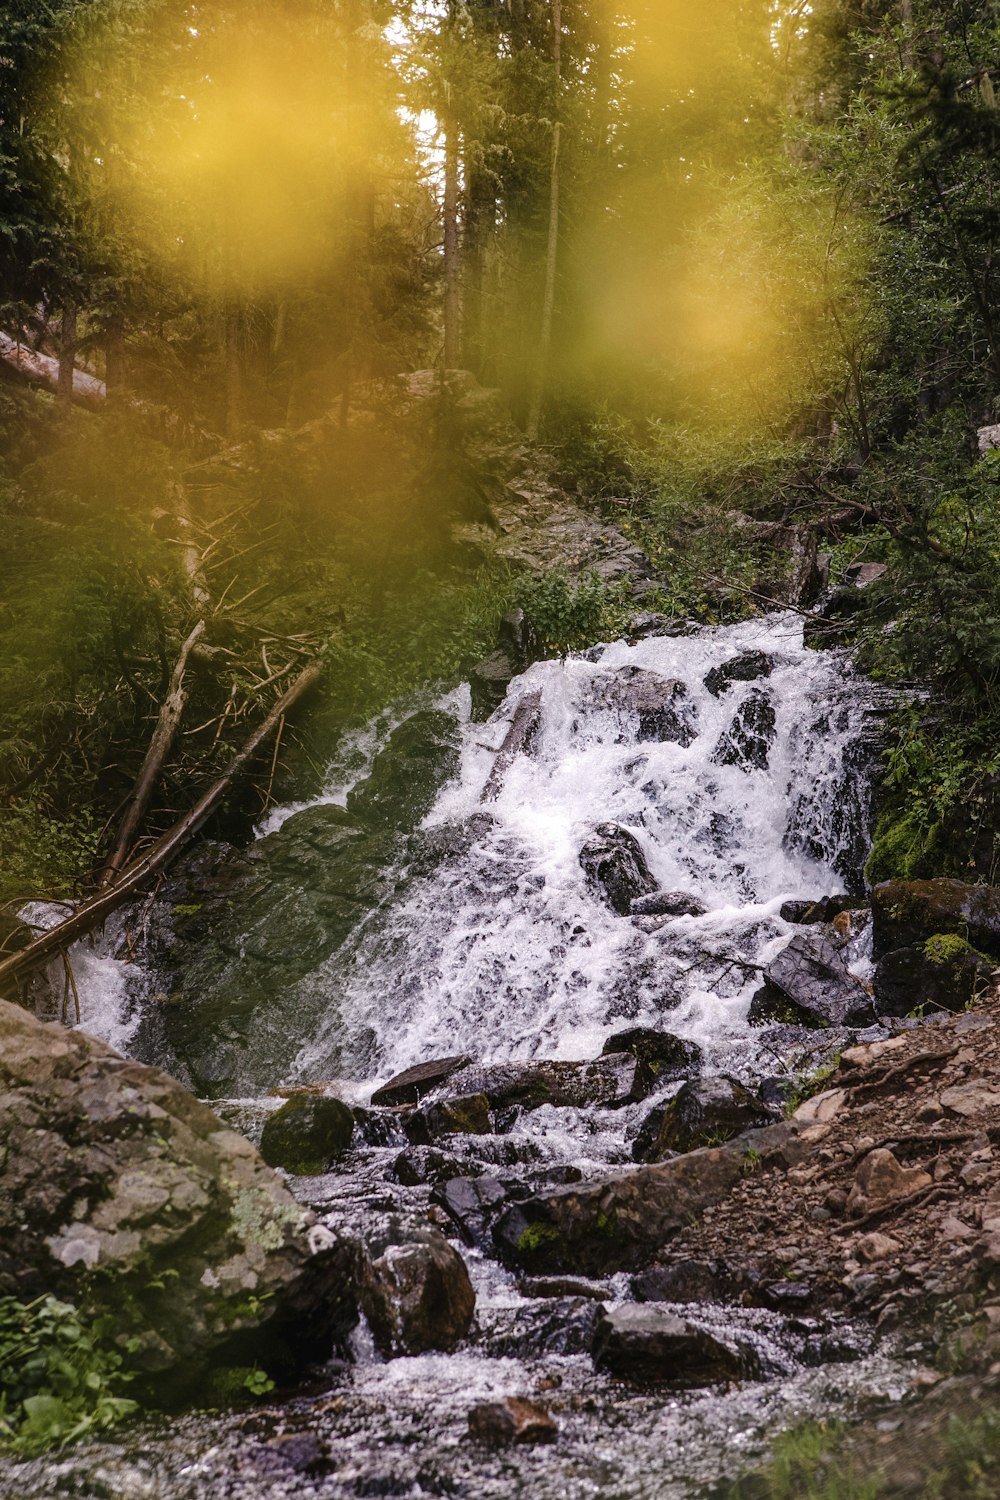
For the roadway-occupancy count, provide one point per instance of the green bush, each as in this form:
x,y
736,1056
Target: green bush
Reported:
x,y
59,1378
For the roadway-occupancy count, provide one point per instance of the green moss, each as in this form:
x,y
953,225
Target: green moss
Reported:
x,y
946,948
902,849
536,1237
607,1224
230,1385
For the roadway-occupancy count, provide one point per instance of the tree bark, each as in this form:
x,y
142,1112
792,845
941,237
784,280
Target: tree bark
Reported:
x,y
156,859
43,370
67,354
552,252
167,724
452,292
524,727
114,356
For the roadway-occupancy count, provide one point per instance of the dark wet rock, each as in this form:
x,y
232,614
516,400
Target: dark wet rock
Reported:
x,y
905,913
565,1286
293,1452
113,1177
382,1127
824,909
775,1094
607,1081
684,1281
423,1164
308,1135
410,1086
414,1289
558,1173
472,1204
808,981
706,1111
651,707
459,1114
669,904
616,868
749,667
619,1222
489,680
661,1056
835,623
785,1296
945,973
407,774
551,1325
787,568
648,1343
747,742
498,1424
641,626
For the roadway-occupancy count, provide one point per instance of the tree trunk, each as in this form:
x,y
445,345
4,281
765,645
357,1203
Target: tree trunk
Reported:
x,y
114,356
136,875
67,354
167,724
517,740
452,293
552,253
234,368
480,221
43,370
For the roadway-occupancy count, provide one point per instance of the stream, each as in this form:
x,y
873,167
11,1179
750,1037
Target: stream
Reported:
x,y
401,917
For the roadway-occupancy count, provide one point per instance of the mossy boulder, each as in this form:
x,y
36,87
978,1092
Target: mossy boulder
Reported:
x,y
123,1194
906,913
706,1111
407,775
943,973
308,1135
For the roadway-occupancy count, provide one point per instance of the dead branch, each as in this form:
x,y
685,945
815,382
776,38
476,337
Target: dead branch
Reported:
x,y
517,740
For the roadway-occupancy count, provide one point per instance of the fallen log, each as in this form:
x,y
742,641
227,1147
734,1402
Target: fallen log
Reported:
x,y
517,741
43,370
167,723
135,875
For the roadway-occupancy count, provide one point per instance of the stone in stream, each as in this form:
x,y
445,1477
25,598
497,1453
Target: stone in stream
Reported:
x,y
472,1204
705,1111
458,1114
616,868
651,707
619,1222
308,1135
668,904
511,1420
945,973
410,1086
747,742
123,1194
661,1057
809,981
406,775
906,913
823,909
414,1289
606,1082
643,1342
422,1164
684,1281
749,667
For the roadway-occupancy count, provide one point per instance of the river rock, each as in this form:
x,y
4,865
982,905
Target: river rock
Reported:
x,y
880,1181
489,680
414,1289
422,1164
945,973
747,741
122,1193
619,1222
651,707
308,1135
458,1114
705,1111
749,667
647,1343
668,904
824,909
498,1424
608,1081
410,1086
406,775
905,913
684,1281
616,868
661,1057
809,982
473,1204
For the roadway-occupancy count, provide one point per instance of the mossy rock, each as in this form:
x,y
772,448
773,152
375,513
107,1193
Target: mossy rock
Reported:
x,y
908,913
308,1135
944,973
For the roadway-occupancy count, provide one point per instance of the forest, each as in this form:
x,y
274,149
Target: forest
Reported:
x,y
288,286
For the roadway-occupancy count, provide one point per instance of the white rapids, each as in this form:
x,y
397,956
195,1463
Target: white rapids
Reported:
x,y
507,954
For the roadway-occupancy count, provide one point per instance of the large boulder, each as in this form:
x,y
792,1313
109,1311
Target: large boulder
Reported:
x,y
608,1081
616,868
809,982
646,1343
747,741
660,1055
407,774
649,706
749,667
905,913
704,1112
308,1135
412,1084
123,1194
945,973
415,1289
619,1222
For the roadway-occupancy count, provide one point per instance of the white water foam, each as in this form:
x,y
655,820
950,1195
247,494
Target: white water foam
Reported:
x,y
506,953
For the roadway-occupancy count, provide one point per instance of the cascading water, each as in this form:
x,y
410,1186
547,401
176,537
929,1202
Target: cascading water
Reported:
x,y
505,951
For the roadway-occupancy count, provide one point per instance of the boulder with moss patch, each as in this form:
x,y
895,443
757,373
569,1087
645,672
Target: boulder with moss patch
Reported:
x,y
943,973
906,913
308,1135
122,1193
